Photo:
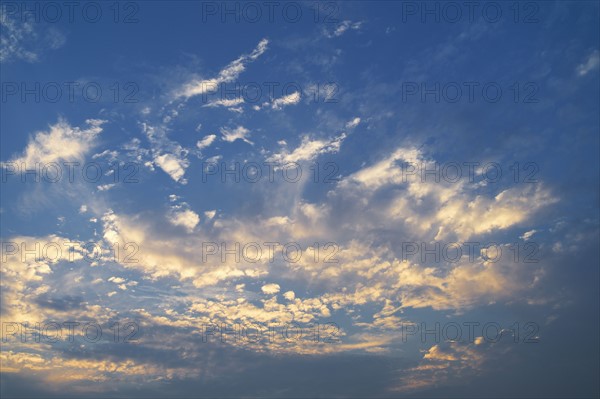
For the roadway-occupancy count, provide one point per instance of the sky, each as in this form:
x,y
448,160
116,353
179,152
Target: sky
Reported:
x,y
299,199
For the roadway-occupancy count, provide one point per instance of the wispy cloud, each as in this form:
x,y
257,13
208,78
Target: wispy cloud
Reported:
x,y
228,74
238,133
342,28
590,64
25,40
62,142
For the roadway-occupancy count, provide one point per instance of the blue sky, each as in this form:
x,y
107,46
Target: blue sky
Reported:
x,y
313,167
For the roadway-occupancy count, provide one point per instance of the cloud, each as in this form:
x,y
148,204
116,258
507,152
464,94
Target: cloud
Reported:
x,y
343,27
117,280
280,103
270,289
308,150
527,235
446,210
61,143
238,133
28,291
231,104
172,165
106,187
206,141
229,74
185,218
24,40
591,64
172,157
75,373
176,255
289,295
290,99
365,214
353,123
440,364
214,159
169,155
181,215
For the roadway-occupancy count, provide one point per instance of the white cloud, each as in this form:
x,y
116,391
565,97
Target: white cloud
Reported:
x,y
24,40
214,159
591,64
117,280
270,289
289,295
206,141
353,123
170,156
290,99
343,27
228,74
61,143
111,156
172,165
24,278
308,150
460,211
239,133
440,364
106,187
227,103
527,235
185,218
